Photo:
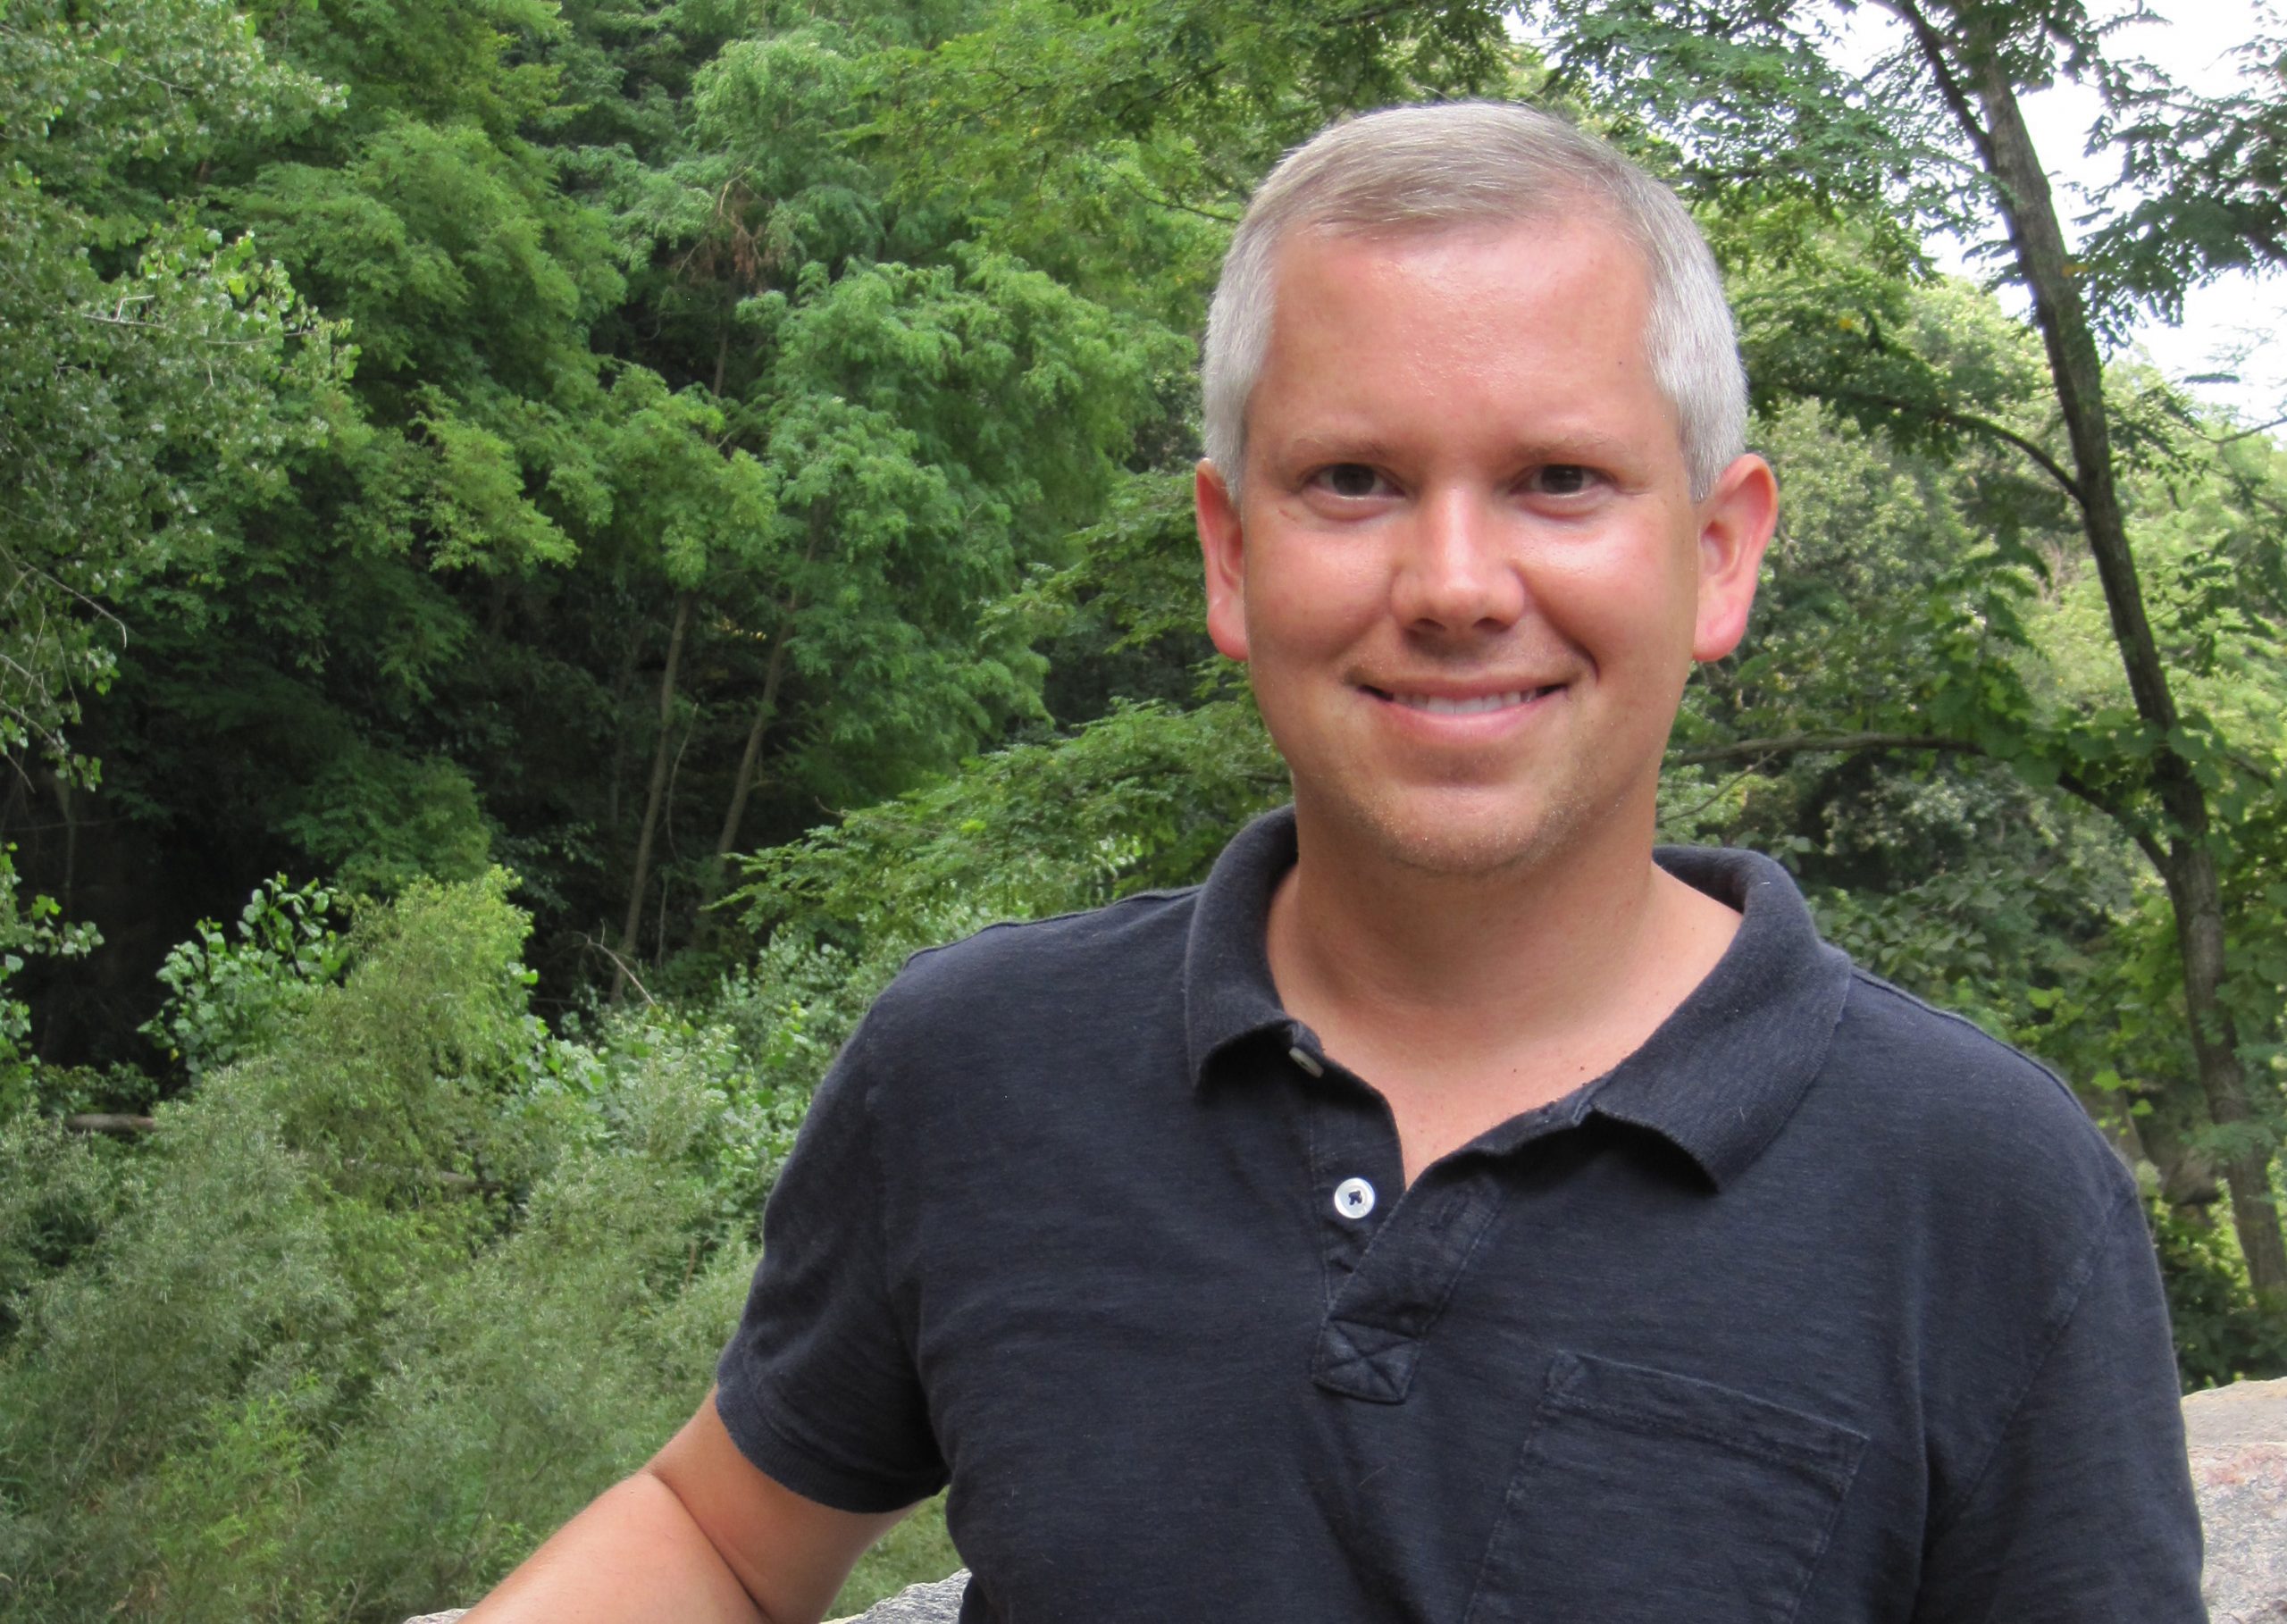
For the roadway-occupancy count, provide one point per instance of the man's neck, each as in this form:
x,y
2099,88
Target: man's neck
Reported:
x,y
1466,1000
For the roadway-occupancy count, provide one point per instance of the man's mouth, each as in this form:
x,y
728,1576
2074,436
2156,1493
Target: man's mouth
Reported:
x,y
1477,705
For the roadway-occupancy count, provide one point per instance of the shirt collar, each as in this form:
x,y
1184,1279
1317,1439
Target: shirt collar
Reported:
x,y
1718,1079
1227,991
1720,1075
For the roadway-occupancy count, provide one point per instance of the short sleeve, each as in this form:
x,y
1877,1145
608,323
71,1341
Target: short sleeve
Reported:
x,y
2083,1513
818,1386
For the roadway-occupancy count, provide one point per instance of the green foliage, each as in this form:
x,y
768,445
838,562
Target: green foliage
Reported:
x,y
2223,1334
57,1193
512,1390
392,1291
226,999
2201,174
379,821
1142,799
27,925
150,368
214,1284
1112,146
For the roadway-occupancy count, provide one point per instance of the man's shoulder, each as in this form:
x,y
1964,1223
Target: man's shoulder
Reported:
x,y
1968,1110
1070,967
1884,1019
1119,934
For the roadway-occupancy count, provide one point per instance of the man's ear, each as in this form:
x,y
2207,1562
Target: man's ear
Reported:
x,y
1221,548
1735,524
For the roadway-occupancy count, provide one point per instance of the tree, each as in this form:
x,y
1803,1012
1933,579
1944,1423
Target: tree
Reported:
x,y
1937,126
154,371
927,416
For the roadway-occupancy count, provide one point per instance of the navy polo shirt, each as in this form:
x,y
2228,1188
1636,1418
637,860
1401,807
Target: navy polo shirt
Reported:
x,y
1823,1306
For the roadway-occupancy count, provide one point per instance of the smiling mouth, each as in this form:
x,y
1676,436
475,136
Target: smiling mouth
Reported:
x,y
1480,704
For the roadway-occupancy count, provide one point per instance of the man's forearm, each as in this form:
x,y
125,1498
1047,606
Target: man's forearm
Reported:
x,y
634,1556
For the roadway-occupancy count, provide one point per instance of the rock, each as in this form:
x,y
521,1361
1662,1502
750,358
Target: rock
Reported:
x,y
2237,1438
937,1603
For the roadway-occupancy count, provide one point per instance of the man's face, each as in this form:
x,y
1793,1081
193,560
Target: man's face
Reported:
x,y
1468,574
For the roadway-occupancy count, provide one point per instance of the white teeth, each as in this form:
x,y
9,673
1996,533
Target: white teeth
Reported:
x,y
1479,707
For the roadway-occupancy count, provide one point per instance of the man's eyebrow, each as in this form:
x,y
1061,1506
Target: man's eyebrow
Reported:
x,y
1340,448
1584,445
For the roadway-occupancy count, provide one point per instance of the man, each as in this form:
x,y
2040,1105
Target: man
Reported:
x,y
1447,1211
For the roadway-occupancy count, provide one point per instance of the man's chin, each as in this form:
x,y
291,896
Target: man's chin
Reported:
x,y
1451,839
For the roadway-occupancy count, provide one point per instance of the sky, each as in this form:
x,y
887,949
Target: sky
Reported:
x,y
2222,320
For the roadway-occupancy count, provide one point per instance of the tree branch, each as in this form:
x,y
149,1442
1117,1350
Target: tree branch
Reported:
x,y
2261,428
1970,421
1931,44
1821,744
1852,744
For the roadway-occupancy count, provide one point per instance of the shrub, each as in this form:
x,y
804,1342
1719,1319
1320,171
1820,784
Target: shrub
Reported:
x,y
2223,1334
216,1287
227,999
390,1293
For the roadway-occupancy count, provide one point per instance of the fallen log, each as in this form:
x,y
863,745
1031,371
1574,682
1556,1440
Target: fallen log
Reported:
x,y
118,1123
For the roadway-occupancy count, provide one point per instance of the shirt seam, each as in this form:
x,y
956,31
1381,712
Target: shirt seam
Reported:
x,y
2077,1285
1316,1176
862,1044
1170,894
1655,1424
909,1335
1860,973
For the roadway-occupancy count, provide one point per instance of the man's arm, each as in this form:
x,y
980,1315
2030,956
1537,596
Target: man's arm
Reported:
x,y
698,1537
2082,1513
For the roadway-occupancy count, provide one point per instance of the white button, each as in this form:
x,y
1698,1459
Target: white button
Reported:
x,y
1308,1061
1353,1198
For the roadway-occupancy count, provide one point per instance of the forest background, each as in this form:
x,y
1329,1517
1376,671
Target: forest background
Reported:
x,y
584,531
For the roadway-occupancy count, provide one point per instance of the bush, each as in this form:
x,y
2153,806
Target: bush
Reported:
x,y
513,1390
216,1287
227,999
385,1297
2222,1332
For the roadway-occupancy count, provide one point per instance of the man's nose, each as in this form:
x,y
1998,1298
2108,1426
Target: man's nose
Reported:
x,y
1457,571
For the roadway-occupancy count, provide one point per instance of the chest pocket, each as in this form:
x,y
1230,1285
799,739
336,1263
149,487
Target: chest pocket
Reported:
x,y
1642,1497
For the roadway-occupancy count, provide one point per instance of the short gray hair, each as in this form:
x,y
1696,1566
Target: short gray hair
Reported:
x,y
1471,163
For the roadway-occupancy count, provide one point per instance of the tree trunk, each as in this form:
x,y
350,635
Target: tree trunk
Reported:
x,y
2247,1166
654,799
67,813
621,683
742,785
821,521
2187,1172
1972,79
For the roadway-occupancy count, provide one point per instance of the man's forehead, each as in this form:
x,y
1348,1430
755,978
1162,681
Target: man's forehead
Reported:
x,y
1475,289
1580,214
1355,266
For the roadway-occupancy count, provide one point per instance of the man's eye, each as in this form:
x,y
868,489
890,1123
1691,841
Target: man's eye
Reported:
x,y
1349,479
1564,479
